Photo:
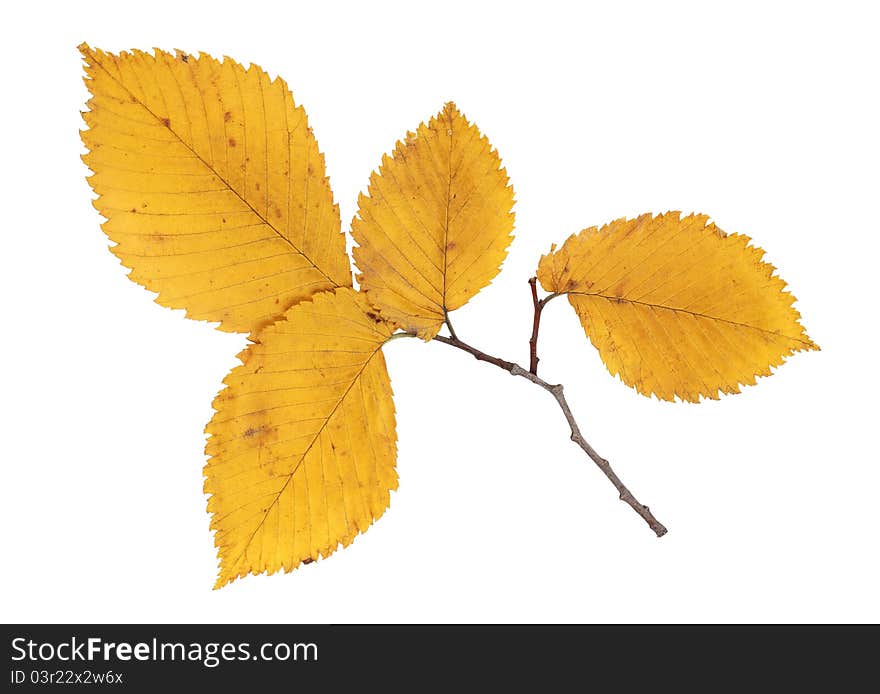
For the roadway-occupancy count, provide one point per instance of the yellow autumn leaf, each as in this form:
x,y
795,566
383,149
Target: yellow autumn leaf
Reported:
x,y
302,444
435,225
212,184
676,306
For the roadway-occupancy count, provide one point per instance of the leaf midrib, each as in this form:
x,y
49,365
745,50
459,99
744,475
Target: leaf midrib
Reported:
x,y
616,299
451,130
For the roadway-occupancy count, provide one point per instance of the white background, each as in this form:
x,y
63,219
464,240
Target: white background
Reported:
x,y
763,115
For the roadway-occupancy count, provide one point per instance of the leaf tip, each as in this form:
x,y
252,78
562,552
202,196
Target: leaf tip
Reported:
x,y
809,345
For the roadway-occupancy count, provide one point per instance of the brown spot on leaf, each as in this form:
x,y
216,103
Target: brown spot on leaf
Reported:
x,y
227,116
450,246
166,122
374,317
133,210
257,185
232,142
184,57
308,560
250,432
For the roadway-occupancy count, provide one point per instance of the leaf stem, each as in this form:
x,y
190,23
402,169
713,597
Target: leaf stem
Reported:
x,y
449,324
396,336
557,392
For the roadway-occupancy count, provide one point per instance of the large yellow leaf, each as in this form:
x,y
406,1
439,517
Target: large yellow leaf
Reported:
x,y
303,442
435,225
676,306
212,184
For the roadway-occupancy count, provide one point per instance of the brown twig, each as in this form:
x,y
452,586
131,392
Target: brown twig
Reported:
x,y
557,392
536,325
538,305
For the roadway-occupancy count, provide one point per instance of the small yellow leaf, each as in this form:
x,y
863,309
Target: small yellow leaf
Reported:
x,y
303,443
676,306
435,225
212,184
